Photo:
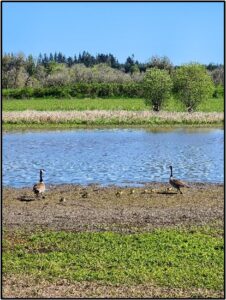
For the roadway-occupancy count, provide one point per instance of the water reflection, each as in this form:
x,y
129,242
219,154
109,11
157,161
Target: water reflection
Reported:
x,y
112,156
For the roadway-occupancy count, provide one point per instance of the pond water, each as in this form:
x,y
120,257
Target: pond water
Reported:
x,y
112,156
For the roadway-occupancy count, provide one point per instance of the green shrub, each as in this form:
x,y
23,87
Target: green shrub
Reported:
x,y
218,91
79,90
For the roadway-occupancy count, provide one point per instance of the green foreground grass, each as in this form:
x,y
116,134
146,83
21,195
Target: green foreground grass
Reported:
x,y
50,104
182,258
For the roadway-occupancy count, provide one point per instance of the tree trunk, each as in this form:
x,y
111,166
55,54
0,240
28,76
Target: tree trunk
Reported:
x,y
156,107
190,109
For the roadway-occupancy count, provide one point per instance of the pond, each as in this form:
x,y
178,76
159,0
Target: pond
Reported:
x,y
113,156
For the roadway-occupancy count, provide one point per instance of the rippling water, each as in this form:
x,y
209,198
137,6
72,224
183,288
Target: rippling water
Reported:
x,y
112,156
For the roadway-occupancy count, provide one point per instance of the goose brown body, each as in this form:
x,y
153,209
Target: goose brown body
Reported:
x,y
176,183
39,187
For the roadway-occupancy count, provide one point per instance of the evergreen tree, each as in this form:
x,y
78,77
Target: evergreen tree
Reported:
x,y
59,57
55,57
79,58
51,57
129,63
113,62
87,59
40,58
69,61
45,60
75,61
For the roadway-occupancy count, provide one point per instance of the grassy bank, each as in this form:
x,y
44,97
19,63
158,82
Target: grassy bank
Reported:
x,y
69,119
26,127
175,258
75,113
50,104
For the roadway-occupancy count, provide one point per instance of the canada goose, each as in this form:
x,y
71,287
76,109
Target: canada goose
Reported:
x,y
39,187
177,184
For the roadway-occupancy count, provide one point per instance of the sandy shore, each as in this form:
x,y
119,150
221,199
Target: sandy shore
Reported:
x,y
95,208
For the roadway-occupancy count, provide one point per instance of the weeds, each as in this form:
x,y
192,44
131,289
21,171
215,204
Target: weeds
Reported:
x,y
168,257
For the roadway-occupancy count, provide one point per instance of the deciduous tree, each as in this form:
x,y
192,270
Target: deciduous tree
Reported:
x,y
157,87
193,84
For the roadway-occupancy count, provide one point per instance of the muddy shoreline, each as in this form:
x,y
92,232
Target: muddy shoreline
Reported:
x,y
128,210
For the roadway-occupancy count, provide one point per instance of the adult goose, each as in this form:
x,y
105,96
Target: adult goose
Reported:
x,y
176,183
39,187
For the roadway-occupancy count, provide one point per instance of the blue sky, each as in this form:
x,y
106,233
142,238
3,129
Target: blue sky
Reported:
x,y
184,32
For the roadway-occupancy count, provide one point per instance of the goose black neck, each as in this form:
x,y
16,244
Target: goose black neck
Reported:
x,y
171,174
41,180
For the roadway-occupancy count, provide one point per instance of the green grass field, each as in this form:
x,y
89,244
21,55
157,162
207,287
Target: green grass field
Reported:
x,y
49,104
180,258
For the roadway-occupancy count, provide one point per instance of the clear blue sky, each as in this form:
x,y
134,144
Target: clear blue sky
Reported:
x,y
184,32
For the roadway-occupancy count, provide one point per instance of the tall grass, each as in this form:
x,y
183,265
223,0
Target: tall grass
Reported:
x,y
107,117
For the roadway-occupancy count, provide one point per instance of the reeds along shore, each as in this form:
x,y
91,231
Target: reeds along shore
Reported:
x,y
111,117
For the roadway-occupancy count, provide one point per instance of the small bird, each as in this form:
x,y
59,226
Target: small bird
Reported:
x,y
169,189
144,192
119,193
39,188
62,199
176,183
132,191
84,194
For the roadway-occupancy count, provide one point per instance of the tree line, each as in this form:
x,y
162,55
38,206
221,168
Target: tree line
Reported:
x,y
57,70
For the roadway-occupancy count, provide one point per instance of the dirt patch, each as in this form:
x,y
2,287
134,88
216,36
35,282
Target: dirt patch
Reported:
x,y
15,287
95,208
